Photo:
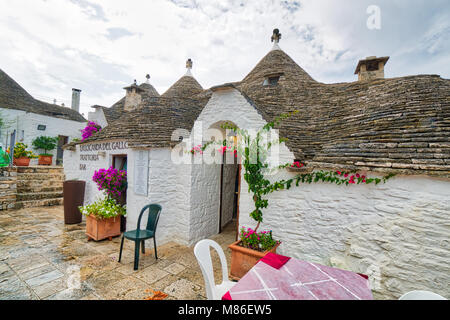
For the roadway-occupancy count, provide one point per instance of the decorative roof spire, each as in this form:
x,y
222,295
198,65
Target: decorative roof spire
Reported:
x,y
188,67
148,78
276,36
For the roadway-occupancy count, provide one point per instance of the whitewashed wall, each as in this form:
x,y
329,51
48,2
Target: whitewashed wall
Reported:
x,y
98,117
397,233
224,105
26,124
168,185
72,170
204,215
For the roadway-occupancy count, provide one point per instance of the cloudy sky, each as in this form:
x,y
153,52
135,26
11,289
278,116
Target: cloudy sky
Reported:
x,y
51,46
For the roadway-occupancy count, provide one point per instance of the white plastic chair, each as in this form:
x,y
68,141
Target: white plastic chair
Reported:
x,y
421,295
203,255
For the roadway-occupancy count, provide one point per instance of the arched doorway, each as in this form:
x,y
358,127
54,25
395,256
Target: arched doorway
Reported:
x,y
229,182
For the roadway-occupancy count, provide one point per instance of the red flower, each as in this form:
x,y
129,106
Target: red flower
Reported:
x,y
357,175
338,172
346,175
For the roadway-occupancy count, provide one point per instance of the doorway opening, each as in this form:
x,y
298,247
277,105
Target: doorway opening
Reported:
x,y
119,162
229,193
62,140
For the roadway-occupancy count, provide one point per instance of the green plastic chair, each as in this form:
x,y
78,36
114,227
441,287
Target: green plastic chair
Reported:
x,y
139,236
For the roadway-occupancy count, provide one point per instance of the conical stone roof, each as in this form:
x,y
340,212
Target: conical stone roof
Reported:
x,y
185,87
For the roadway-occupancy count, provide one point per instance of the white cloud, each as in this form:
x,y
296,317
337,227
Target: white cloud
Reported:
x,y
51,46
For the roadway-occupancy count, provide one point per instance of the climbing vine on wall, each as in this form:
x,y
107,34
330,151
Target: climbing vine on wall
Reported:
x,y
254,152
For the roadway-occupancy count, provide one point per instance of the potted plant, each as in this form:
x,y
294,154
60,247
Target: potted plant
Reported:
x,y
251,247
103,218
22,156
114,183
46,144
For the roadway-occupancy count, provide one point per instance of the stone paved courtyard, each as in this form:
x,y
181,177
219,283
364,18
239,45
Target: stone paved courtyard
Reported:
x,y
40,258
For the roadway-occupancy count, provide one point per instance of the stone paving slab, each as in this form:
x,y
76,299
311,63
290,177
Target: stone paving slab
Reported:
x,y
41,258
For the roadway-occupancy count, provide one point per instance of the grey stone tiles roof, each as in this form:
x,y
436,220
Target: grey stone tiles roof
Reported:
x,y
397,125
13,96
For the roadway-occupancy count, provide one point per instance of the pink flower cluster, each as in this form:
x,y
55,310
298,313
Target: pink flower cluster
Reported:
x,y
89,130
257,240
197,149
352,177
111,180
224,149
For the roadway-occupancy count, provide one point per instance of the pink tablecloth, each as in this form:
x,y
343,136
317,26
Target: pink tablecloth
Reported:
x,y
300,280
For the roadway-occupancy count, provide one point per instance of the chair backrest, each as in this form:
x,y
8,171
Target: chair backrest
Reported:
x,y
153,216
421,295
203,254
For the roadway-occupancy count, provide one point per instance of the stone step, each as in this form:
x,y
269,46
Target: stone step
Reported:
x,y
41,176
39,203
26,188
39,183
40,169
38,195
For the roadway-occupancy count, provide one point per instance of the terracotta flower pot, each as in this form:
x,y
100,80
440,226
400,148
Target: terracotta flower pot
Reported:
x,y
99,229
243,259
21,162
45,160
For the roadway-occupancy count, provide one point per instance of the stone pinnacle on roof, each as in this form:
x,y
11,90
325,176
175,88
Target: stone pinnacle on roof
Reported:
x,y
189,67
186,86
148,78
276,36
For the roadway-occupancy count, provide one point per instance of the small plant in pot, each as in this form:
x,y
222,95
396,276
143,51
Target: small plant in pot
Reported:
x,y
22,156
103,218
46,144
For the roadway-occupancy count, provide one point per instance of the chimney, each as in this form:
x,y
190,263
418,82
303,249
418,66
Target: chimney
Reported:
x,y
76,99
371,68
133,98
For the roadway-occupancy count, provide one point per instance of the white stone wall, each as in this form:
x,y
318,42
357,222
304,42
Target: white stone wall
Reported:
x,y
168,185
225,105
72,169
98,117
397,233
26,127
204,215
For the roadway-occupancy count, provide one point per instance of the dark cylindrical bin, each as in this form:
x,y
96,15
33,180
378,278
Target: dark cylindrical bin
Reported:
x,y
73,191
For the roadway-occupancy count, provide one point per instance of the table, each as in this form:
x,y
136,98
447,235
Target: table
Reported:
x,y
276,277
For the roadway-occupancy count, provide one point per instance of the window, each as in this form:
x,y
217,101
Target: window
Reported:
x,y
271,80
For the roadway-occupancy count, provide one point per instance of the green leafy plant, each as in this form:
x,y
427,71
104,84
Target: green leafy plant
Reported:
x,y
45,143
104,208
20,151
